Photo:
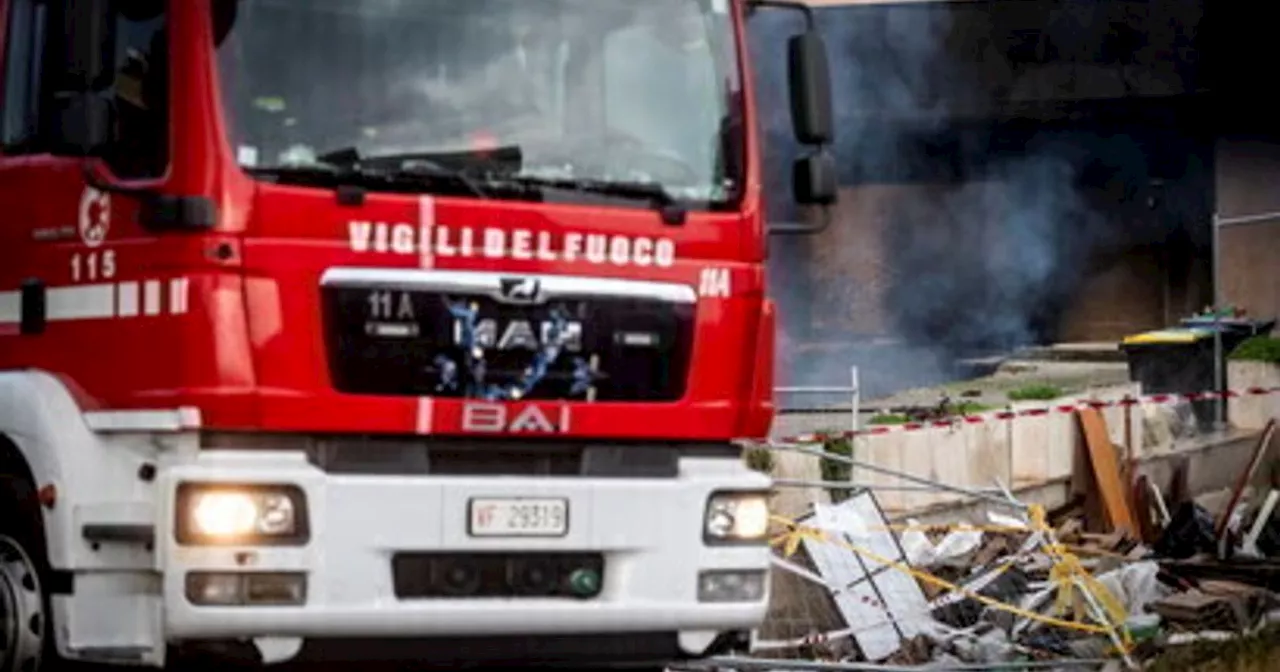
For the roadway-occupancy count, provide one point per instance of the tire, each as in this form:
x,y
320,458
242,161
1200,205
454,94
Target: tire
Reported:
x,y
26,631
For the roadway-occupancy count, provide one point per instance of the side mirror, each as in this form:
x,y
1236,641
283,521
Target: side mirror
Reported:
x,y
810,81
813,179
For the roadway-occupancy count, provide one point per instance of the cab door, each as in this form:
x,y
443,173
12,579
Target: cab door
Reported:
x,y
75,248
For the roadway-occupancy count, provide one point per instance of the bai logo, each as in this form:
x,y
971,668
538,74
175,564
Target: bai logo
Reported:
x,y
489,418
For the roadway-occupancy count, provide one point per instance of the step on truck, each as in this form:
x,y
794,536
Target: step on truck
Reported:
x,y
386,329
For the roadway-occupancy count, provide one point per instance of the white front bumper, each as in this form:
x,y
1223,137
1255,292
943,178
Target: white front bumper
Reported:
x,y
649,530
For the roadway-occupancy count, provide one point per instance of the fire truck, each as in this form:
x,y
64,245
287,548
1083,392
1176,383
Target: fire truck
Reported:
x,y
365,330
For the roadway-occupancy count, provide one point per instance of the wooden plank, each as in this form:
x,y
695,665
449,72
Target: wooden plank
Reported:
x,y
1105,465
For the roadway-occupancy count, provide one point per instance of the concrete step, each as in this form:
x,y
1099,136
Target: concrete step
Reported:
x,y
1072,352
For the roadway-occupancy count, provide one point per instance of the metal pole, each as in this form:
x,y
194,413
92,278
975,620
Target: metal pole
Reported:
x,y
1219,414
1246,220
856,399
852,485
971,492
737,663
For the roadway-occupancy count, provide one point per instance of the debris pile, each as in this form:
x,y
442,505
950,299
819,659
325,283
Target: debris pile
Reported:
x,y
1113,578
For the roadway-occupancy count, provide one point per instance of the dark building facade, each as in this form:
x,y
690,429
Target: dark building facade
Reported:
x,y
1026,171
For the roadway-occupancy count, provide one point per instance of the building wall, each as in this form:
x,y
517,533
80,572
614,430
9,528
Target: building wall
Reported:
x,y
1248,184
923,88
1124,296
880,262
851,270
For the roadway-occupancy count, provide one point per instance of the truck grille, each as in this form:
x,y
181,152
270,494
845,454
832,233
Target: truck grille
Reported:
x,y
482,335
470,575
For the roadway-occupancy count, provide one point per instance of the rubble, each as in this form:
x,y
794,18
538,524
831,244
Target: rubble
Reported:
x,y
1097,583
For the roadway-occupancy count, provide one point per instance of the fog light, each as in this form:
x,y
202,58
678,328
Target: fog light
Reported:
x,y
277,589
224,589
731,586
457,578
532,577
215,589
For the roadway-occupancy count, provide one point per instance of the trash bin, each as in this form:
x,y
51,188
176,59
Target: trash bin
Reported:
x,y
1178,360
1236,328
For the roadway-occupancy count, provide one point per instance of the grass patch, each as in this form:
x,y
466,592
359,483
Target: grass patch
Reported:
x,y
1258,349
833,470
1036,393
972,408
760,459
948,411
1248,654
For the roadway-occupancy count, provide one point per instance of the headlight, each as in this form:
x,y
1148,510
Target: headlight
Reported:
x,y
210,514
736,517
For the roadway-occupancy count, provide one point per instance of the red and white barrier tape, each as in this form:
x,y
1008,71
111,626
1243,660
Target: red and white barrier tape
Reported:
x,y
997,416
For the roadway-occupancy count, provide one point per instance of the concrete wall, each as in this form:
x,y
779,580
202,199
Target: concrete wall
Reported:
x,y
1248,183
1253,411
1023,451
1018,452
1027,452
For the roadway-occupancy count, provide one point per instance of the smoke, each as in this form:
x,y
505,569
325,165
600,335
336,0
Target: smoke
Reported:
x,y
989,263
986,234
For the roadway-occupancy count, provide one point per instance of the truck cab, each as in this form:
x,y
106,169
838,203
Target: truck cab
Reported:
x,y
424,325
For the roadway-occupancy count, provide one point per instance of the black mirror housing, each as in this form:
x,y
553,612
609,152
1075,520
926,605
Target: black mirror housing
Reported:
x,y
85,122
88,45
810,83
813,179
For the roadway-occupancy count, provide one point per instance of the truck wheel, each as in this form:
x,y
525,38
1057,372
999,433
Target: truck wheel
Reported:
x,y
22,609
26,633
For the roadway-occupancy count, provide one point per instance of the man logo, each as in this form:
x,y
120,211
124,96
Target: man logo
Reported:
x,y
520,290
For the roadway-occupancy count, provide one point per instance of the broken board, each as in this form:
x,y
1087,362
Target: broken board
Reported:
x,y
883,605
1105,466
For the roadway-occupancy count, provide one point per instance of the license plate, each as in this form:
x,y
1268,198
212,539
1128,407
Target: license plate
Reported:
x,y
523,517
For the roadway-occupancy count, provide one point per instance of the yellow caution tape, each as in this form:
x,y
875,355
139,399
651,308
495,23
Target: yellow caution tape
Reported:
x,y
796,533
1064,574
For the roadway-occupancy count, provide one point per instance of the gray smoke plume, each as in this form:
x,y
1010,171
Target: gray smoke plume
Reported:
x,y
991,238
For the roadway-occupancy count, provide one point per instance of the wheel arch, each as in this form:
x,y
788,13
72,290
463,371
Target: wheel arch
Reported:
x,y
14,462
41,428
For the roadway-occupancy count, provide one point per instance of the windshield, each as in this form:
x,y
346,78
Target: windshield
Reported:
x,y
552,92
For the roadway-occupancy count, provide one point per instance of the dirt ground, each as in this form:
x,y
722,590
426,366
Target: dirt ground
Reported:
x,y
1260,653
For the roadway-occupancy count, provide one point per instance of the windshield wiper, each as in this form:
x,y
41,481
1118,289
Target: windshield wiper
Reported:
x,y
342,168
310,173
659,198
402,167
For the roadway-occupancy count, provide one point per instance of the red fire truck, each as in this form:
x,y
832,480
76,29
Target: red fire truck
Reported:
x,y
385,329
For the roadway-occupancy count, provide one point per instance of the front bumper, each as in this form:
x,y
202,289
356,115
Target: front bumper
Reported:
x,y
649,531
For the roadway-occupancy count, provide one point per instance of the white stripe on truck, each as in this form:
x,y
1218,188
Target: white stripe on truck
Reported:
x,y
104,301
